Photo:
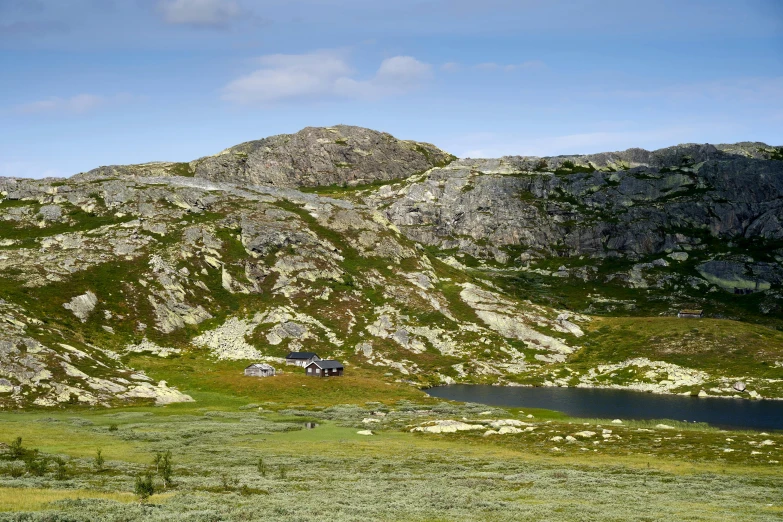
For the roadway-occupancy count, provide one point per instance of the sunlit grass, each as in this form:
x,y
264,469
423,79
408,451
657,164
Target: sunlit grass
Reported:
x,y
37,499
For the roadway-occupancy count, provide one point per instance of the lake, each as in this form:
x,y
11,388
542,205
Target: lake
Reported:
x,y
623,404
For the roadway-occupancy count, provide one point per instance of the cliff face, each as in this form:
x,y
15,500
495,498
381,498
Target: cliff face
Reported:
x,y
630,204
469,270
694,215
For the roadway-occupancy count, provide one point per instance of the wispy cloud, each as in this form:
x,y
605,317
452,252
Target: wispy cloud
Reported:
x,y
494,66
216,14
324,75
451,67
755,89
75,105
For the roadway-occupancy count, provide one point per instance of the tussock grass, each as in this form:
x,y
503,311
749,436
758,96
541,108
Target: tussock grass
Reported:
x,y
37,499
393,475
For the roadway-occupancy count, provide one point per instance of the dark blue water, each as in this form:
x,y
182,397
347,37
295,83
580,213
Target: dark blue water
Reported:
x,y
623,404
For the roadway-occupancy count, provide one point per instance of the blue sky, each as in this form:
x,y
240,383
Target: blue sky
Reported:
x,y
97,82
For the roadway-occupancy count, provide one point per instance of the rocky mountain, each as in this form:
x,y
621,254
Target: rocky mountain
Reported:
x,y
396,258
313,157
686,220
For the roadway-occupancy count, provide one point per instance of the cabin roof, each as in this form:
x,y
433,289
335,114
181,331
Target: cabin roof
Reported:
x,y
301,355
262,366
327,365
691,311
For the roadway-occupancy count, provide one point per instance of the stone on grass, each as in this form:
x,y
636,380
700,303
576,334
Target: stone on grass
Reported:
x,y
82,305
364,432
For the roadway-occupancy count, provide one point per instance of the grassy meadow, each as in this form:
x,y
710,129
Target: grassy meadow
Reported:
x,y
243,451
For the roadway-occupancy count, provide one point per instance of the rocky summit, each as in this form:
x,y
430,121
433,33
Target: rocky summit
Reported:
x,y
398,258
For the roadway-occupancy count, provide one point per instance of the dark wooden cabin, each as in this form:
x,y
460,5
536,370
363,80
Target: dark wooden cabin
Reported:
x,y
324,369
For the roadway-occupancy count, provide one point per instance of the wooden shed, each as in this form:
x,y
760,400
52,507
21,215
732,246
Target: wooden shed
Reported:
x,y
691,313
324,369
259,370
301,358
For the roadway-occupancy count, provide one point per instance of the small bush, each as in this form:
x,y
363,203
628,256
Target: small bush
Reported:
x,y
99,460
144,487
164,467
36,466
261,467
61,471
15,449
113,427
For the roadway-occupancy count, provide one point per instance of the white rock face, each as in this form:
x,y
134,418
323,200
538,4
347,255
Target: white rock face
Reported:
x,y
448,426
228,342
502,316
161,393
666,376
82,305
147,346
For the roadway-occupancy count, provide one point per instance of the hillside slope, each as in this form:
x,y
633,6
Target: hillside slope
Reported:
x,y
477,271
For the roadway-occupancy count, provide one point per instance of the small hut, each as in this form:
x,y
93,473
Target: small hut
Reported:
x,y
259,370
691,313
301,358
324,369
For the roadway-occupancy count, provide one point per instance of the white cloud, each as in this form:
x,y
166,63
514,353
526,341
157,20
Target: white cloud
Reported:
x,y
493,66
75,105
199,13
525,66
487,66
323,75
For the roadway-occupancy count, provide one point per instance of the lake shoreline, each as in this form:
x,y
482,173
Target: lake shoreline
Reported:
x,y
611,403
612,387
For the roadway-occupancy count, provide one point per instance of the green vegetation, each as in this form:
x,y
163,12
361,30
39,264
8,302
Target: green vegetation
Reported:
x,y
569,167
182,169
713,345
235,464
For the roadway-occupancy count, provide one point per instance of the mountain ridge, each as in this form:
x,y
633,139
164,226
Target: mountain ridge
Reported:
x,y
417,269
